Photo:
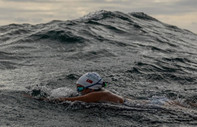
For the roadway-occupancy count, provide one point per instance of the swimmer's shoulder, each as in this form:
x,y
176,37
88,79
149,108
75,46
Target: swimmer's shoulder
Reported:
x,y
101,93
106,96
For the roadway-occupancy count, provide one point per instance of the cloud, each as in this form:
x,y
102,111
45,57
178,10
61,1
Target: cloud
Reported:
x,y
190,3
151,6
29,0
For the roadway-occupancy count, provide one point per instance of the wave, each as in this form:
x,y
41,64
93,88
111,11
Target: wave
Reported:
x,y
132,33
60,35
137,54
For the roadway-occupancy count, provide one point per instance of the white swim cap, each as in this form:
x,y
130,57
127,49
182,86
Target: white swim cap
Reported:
x,y
91,80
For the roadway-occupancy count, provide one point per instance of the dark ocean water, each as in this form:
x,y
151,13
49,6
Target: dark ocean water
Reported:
x,y
138,55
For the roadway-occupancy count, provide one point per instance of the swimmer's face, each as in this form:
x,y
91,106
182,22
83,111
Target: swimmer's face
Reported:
x,y
80,88
83,90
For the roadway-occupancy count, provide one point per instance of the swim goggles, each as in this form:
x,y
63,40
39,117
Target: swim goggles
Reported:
x,y
81,88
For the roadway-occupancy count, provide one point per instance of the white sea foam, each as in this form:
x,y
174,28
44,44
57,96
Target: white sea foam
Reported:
x,y
62,92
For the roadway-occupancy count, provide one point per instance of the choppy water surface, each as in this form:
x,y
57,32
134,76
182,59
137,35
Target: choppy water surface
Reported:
x,y
140,56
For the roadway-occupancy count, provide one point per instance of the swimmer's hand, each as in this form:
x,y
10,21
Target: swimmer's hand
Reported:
x,y
44,98
32,97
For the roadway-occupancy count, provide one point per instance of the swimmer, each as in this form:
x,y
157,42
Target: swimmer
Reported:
x,y
91,87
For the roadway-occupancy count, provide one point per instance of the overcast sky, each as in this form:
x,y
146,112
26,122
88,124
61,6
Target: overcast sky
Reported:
x,y
182,13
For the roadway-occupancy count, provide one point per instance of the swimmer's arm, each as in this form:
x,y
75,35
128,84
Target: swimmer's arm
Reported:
x,y
83,98
193,104
56,99
32,97
49,100
88,98
94,98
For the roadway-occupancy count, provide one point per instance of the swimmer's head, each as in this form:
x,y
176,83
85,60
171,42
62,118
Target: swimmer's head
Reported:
x,y
90,80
